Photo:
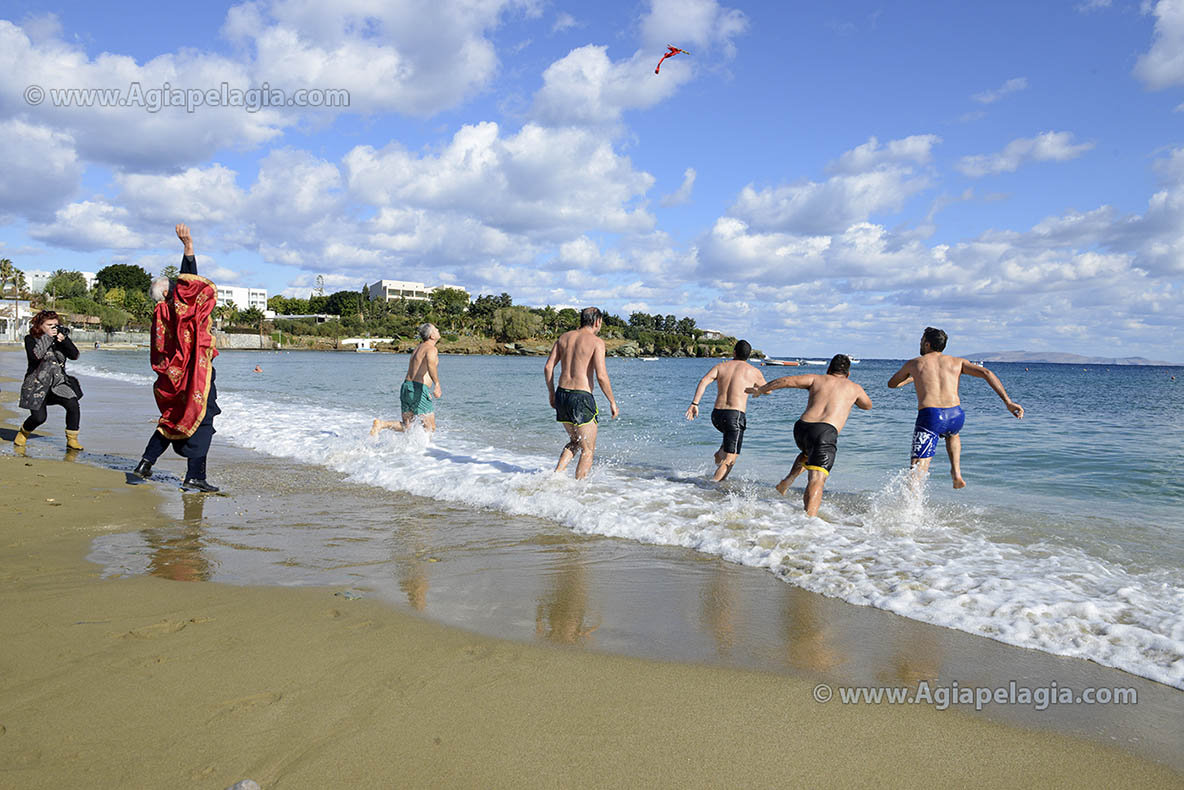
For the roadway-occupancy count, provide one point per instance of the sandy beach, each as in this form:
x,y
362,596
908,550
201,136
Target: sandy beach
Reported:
x,y
150,682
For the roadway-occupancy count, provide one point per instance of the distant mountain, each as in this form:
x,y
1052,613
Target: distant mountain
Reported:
x,y
1059,357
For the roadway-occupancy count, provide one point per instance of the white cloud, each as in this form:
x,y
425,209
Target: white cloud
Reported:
x,y
1163,65
129,136
411,56
194,196
586,87
869,179
39,168
917,149
683,193
692,23
1044,147
1092,5
1011,86
564,21
546,182
88,226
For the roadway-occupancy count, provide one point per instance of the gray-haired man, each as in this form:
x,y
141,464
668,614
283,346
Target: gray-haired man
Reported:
x,y
420,387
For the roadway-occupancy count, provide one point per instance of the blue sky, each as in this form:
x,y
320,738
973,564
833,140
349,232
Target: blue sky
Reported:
x,y
814,177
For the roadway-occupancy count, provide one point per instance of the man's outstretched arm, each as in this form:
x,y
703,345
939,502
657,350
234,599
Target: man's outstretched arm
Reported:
x,y
863,401
188,262
803,382
693,409
902,376
978,371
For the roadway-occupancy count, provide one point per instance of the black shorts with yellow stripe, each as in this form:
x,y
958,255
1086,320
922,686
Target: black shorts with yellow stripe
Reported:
x,y
819,442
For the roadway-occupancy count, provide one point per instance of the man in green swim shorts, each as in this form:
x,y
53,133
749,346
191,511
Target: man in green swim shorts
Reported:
x,y
421,386
581,354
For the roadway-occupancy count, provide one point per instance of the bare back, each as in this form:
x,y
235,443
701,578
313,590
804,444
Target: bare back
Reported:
x,y
831,399
732,378
936,376
420,365
577,358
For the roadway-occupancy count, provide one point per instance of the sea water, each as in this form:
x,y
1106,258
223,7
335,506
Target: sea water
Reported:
x,y
1069,538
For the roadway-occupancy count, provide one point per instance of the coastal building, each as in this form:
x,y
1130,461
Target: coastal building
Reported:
x,y
37,280
712,334
12,331
392,290
317,318
243,298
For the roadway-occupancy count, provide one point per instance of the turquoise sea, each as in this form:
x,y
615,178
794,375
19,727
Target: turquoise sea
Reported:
x,y
1069,538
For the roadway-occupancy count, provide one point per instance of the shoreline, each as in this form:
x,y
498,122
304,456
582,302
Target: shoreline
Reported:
x,y
143,681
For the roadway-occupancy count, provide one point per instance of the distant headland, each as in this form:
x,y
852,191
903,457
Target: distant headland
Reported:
x,y
1062,358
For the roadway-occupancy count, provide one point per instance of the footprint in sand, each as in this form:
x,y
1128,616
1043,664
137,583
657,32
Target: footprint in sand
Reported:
x,y
245,704
162,628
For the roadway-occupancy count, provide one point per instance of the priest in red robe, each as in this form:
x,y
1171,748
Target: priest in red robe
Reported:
x,y
183,357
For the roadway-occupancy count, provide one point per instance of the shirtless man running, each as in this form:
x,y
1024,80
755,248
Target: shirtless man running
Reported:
x,y
420,387
581,354
939,412
817,432
732,380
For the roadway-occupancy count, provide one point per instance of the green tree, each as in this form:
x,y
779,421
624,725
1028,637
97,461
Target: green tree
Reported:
x,y
670,324
138,305
113,297
251,317
126,276
66,285
686,326
170,271
450,304
515,323
568,319
642,321
341,303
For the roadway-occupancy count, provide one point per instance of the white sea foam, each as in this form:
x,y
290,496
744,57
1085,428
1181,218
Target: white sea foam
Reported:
x,y
894,553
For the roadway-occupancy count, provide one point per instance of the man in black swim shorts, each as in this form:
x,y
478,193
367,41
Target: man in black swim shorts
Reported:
x,y
732,379
817,432
580,355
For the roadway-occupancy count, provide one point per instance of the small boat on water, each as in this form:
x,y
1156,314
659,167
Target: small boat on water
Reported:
x,y
793,363
648,359
814,362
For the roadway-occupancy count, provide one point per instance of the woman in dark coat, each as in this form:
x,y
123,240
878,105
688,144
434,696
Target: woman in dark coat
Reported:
x,y
47,347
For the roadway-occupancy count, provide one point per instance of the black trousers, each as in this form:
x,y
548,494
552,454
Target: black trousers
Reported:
x,y
38,416
193,450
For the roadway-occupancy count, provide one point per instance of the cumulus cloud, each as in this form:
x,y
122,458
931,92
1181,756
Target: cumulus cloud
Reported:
x,y
411,56
868,179
692,23
129,137
1044,147
1011,86
88,226
1163,65
540,180
40,169
683,193
587,87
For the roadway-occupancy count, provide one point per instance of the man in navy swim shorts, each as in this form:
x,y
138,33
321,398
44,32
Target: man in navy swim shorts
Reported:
x,y
939,411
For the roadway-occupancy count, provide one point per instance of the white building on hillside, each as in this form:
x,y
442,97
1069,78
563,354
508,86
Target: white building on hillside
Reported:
x,y
391,290
243,298
37,280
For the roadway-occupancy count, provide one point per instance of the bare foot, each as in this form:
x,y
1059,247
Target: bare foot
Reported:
x,y
783,486
959,482
375,428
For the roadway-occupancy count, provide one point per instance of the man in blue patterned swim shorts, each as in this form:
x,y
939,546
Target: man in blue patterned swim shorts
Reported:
x,y
939,411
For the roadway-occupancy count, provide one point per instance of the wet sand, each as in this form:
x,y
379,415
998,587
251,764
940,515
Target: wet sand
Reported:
x,y
144,681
